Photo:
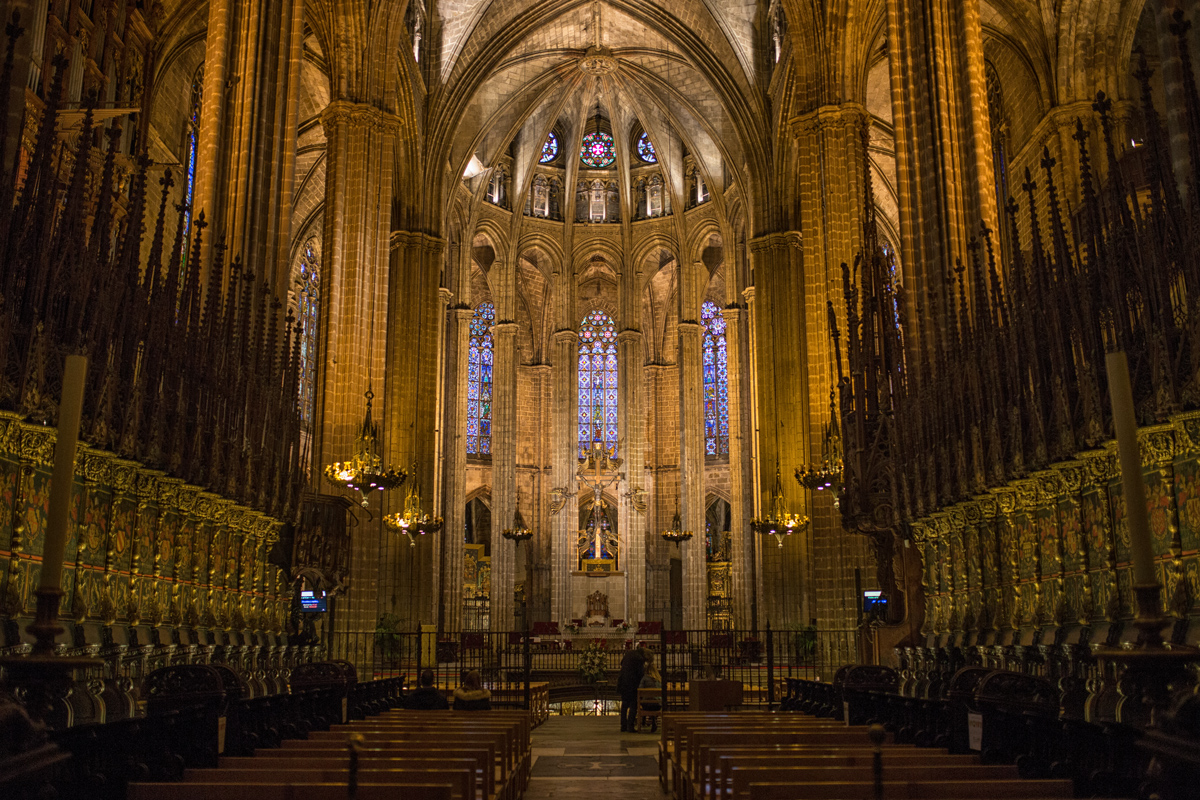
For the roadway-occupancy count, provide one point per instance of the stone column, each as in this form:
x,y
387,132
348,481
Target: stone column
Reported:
x,y
409,429
830,144
743,552
246,150
945,181
504,471
564,505
355,272
1174,110
450,542
751,549
631,505
691,467
782,404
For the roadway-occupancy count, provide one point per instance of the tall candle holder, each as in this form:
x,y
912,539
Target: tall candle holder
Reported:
x,y
44,677
1154,669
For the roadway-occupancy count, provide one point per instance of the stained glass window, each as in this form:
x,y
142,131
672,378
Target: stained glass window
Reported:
x,y
549,149
597,151
190,147
716,381
645,149
308,307
597,382
479,381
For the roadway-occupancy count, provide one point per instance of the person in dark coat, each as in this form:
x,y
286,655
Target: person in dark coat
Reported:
x,y
633,666
427,697
471,696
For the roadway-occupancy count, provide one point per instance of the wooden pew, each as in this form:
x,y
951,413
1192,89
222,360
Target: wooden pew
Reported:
x,y
461,778
915,790
722,760
513,765
687,772
676,727
460,756
741,778
284,791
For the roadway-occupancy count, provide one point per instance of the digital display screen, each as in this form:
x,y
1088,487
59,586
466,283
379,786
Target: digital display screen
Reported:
x,y
313,601
874,602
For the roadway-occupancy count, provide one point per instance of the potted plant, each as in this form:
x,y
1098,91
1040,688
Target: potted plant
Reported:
x,y
388,639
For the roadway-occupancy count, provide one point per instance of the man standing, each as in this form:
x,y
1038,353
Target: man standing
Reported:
x,y
633,665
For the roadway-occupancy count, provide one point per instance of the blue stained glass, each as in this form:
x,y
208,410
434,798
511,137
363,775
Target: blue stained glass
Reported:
x,y
645,149
598,382
716,381
549,149
191,148
597,151
479,381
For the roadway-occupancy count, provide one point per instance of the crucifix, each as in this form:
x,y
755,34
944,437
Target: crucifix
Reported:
x,y
598,471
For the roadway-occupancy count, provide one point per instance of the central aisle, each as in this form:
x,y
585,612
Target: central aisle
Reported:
x,y
581,758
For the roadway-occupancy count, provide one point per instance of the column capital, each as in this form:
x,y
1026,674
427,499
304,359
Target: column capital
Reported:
x,y
690,328
416,240
445,295
732,314
463,313
847,116
506,328
565,336
748,293
346,112
629,335
776,241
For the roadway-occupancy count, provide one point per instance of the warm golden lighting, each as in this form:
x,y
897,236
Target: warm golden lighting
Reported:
x,y
411,521
364,472
676,533
779,522
519,532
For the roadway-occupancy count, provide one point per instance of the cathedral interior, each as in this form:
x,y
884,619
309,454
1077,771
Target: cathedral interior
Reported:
x,y
418,331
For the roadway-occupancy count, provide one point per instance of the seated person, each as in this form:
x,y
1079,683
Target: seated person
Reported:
x,y
427,697
651,680
471,696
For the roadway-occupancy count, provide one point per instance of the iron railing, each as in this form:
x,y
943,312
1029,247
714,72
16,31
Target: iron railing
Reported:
x,y
760,661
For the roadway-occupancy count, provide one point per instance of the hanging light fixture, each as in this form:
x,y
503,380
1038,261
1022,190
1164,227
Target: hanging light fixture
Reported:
x,y
411,521
827,474
676,533
778,522
364,472
519,532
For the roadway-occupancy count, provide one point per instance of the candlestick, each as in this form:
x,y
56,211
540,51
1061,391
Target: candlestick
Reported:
x,y
1136,518
70,409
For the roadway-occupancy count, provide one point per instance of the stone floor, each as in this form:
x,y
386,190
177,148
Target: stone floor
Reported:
x,y
576,758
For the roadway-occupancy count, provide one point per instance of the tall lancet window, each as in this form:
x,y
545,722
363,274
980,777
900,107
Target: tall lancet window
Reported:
x,y
716,381
308,315
191,146
597,382
479,381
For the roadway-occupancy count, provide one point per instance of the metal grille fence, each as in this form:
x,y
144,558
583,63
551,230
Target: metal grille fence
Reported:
x,y
760,661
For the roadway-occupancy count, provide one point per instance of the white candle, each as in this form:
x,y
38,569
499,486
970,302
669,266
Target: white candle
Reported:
x,y
1125,421
70,409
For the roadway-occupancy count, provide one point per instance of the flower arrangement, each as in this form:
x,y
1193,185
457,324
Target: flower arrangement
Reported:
x,y
592,663
572,627
623,627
